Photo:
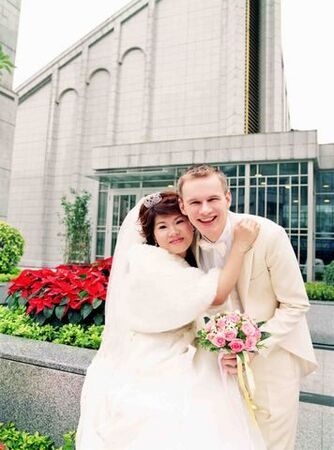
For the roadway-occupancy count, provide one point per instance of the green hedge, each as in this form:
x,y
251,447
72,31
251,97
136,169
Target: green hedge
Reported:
x,y
18,323
320,291
13,439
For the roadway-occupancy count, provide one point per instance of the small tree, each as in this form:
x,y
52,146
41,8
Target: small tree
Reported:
x,y
329,274
77,228
11,247
5,62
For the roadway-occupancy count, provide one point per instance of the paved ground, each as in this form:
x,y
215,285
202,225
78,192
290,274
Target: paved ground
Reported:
x,y
316,417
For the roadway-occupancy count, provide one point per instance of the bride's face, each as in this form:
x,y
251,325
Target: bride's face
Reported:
x,y
174,233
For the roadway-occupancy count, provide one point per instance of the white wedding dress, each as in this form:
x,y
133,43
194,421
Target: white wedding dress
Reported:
x,y
149,388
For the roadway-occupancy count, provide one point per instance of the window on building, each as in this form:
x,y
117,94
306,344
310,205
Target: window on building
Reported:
x,y
324,244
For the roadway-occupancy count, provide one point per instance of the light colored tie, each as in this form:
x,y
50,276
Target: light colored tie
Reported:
x,y
206,246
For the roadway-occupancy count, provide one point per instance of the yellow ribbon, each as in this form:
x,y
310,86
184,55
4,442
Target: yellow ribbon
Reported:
x,y
248,387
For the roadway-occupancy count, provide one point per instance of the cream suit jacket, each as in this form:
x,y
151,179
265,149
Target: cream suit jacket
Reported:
x,y
271,289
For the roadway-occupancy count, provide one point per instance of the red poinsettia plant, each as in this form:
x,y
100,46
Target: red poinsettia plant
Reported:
x,y
66,294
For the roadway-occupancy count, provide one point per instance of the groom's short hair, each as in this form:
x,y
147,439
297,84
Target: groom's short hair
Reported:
x,y
202,171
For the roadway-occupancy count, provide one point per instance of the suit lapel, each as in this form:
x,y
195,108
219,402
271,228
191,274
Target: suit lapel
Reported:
x,y
246,270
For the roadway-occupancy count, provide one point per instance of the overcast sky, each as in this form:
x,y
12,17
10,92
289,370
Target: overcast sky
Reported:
x,y
48,27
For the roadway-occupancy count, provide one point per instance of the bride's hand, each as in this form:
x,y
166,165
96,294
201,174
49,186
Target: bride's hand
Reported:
x,y
245,233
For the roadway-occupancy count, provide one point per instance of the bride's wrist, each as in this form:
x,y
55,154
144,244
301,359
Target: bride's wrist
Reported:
x,y
243,248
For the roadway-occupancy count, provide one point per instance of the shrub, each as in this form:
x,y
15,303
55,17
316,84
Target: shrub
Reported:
x,y
78,336
77,228
319,291
68,294
13,439
18,323
5,277
329,274
5,62
11,247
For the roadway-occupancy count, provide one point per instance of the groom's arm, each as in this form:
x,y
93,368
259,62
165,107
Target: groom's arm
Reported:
x,y
288,287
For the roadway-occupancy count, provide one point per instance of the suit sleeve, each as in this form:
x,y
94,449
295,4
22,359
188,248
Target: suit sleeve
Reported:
x,y
164,293
289,289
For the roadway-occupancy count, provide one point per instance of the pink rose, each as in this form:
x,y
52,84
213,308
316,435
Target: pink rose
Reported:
x,y
221,324
234,318
257,333
237,345
230,335
218,341
208,326
211,336
248,329
250,343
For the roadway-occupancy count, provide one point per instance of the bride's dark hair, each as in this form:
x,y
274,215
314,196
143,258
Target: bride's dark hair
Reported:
x,y
168,205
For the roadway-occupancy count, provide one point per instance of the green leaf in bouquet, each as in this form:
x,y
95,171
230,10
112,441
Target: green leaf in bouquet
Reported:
x,y
265,335
202,341
241,356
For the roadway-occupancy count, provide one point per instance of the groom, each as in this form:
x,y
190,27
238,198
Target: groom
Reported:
x,y
270,288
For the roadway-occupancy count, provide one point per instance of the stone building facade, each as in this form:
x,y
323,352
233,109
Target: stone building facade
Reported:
x,y
9,21
159,86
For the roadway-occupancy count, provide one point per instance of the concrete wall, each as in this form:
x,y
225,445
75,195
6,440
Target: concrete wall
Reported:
x,y
9,18
41,382
40,385
294,145
326,156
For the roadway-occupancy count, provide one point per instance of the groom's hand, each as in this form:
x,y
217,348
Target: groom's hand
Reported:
x,y
229,362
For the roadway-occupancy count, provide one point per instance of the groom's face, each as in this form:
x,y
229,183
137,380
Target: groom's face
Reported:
x,y
206,204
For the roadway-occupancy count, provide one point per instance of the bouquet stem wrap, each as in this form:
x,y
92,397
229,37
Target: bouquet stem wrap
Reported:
x,y
246,383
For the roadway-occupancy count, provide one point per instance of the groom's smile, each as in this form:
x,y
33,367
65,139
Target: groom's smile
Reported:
x,y
208,221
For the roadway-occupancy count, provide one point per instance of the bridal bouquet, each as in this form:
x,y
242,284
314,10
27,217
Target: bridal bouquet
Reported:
x,y
235,333
232,332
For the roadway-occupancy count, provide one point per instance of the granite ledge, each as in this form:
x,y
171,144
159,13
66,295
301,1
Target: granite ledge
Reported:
x,y
46,354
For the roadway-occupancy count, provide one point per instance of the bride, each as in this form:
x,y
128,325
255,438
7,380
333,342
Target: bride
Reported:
x,y
144,389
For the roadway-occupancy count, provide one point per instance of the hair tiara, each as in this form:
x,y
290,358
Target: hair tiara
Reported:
x,y
152,199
